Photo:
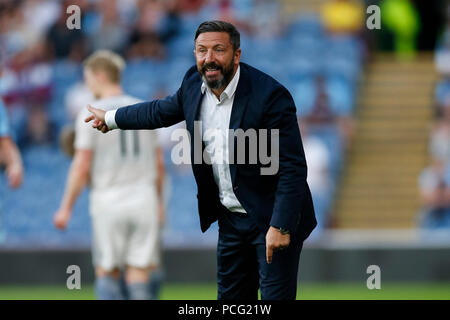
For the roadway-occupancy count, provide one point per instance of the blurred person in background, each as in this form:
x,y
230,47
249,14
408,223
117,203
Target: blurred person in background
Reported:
x,y
28,87
10,157
39,130
110,34
124,165
400,17
259,18
9,153
442,93
40,15
27,83
434,187
439,145
442,53
63,42
158,22
343,17
16,31
322,114
434,181
319,179
442,62
144,41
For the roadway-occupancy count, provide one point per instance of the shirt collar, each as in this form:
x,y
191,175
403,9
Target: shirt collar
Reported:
x,y
231,87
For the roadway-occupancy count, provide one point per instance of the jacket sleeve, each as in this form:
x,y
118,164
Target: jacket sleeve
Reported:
x,y
152,114
291,190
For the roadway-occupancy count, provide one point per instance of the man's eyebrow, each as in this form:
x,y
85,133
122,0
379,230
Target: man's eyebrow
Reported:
x,y
215,46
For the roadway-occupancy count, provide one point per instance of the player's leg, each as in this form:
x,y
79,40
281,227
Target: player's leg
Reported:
x,y
137,280
109,233
142,254
107,284
155,282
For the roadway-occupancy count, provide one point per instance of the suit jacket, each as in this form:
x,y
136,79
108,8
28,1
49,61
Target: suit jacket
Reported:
x,y
281,200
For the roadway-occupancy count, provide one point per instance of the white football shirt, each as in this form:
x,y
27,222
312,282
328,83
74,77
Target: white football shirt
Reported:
x,y
123,170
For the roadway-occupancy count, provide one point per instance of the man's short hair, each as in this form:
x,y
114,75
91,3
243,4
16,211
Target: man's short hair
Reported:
x,y
221,26
109,62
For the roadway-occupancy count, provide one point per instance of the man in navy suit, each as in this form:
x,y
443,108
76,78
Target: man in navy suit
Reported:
x,y
263,218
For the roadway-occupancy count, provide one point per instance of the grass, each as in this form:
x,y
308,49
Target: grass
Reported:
x,y
307,291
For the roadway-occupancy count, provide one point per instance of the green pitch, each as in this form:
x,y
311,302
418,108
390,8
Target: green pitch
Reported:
x,y
307,291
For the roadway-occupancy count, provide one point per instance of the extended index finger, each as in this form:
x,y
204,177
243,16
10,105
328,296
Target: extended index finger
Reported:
x,y
90,118
269,253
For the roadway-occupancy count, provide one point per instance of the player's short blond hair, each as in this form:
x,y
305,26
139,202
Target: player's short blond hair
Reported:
x,y
109,62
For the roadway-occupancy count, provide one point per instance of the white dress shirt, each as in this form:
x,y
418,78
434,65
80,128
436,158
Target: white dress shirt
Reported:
x,y
215,116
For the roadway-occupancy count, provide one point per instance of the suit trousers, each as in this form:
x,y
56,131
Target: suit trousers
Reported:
x,y
242,268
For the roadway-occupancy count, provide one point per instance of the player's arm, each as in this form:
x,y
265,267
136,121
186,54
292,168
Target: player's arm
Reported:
x,y
77,179
160,178
10,157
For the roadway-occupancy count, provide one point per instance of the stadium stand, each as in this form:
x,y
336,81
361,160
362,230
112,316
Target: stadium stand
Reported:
x,y
378,189
298,54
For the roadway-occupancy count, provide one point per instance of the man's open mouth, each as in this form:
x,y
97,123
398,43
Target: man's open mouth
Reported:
x,y
212,71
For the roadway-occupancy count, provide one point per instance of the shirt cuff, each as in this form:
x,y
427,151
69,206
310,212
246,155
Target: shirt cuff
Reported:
x,y
110,119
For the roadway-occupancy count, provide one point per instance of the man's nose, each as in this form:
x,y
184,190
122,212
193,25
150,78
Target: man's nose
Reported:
x,y
209,56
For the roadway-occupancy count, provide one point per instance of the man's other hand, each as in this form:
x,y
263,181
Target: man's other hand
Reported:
x,y
275,240
98,115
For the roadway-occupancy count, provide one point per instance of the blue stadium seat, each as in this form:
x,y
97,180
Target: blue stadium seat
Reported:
x,y
181,46
306,25
28,212
304,93
340,95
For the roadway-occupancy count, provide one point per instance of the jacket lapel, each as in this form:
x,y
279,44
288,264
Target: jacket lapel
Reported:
x,y
195,131
197,101
240,99
237,112
194,100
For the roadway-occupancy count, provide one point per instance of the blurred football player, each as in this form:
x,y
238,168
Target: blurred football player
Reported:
x,y
9,153
125,172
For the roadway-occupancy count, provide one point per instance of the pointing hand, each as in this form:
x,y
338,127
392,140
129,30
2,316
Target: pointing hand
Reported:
x,y
98,115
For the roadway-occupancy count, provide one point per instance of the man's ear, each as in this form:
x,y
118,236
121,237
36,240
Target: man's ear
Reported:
x,y
237,56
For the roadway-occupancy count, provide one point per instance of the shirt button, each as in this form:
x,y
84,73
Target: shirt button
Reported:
x,y
235,188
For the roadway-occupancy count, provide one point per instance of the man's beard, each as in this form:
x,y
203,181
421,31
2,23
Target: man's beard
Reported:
x,y
224,79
